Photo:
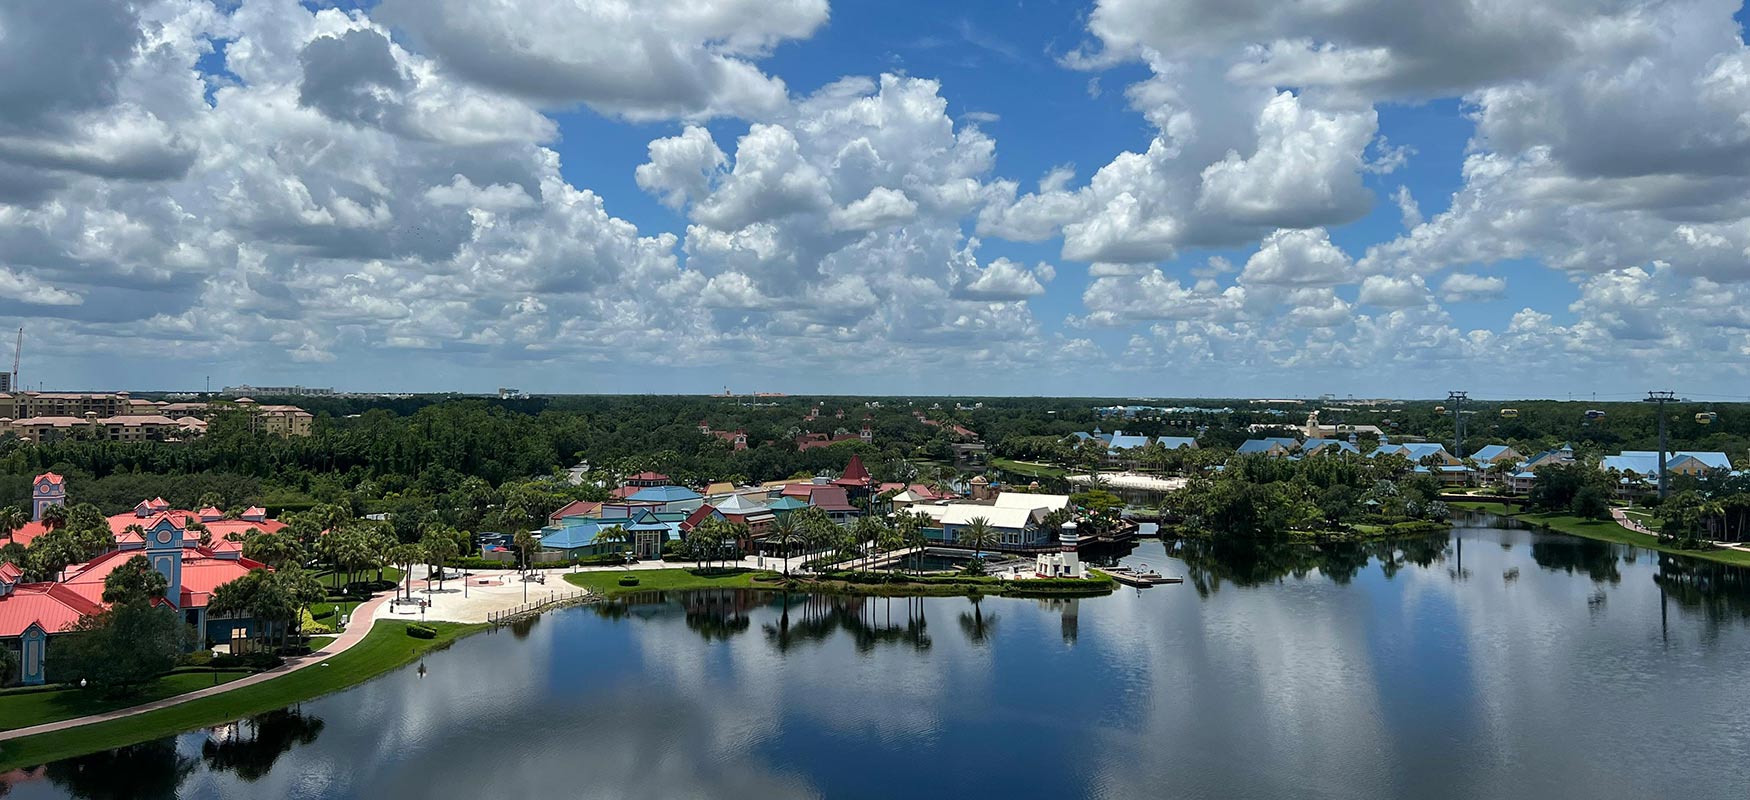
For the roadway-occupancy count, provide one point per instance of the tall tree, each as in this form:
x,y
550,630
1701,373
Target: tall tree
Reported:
x,y
134,581
978,533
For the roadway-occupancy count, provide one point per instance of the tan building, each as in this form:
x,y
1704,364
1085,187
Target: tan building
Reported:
x,y
282,421
117,417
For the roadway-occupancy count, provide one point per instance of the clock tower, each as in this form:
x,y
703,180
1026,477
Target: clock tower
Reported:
x,y
47,490
164,550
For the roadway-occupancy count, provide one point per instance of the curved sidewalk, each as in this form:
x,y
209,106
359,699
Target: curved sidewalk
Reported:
x,y
363,618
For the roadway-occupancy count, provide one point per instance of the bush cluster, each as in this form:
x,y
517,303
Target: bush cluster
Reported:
x,y
257,661
422,631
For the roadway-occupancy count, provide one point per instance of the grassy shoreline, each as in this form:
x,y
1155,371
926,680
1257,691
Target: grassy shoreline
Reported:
x,y
31,706
1606,531
674,580
386,647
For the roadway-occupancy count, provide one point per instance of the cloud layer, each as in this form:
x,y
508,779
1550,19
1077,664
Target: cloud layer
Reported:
x,y
265,184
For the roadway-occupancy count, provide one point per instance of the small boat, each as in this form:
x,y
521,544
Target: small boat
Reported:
x,y
1140,577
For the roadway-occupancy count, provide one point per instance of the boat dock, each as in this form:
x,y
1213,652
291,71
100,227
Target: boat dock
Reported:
x,y
1139,578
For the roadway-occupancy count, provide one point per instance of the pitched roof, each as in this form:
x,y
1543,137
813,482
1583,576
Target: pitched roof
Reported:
x,y
739,505
964,513
699,515
575,508
1490,452
830,498
50,477
1028,500
648,476
855,472
50,606
1264,445
665,494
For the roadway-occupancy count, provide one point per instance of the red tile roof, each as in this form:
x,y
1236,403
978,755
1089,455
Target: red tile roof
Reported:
x,y
50,477
855,474
203,570
830,498
10,572
575,508
699,515
50,606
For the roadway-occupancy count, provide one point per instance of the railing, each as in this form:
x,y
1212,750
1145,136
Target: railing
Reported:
x,y
513,613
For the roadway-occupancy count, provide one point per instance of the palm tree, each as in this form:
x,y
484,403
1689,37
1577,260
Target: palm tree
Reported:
x,y
785,534
614,535
889,539
54,517
979,534
11,519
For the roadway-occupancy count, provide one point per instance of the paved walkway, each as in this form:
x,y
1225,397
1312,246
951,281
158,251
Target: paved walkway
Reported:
x,y
362,620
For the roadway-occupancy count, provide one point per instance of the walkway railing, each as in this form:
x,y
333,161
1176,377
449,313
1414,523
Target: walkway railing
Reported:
x,y
513,613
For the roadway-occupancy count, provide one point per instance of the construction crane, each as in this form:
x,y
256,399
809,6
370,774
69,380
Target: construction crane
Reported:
x,y
17,350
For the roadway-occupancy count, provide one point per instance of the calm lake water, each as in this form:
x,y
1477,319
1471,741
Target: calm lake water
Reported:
x,y
1487,663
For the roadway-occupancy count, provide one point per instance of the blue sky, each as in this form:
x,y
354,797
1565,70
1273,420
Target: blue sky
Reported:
x,y
1115,197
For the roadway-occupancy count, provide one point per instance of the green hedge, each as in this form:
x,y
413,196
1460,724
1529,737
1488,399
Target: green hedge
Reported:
x,y
628,580
262,661
421,631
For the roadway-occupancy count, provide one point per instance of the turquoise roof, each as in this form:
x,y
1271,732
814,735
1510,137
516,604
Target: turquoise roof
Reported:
x,y
665,494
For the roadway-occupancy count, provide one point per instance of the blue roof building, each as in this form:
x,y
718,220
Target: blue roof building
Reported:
x,y
1273,445
671,498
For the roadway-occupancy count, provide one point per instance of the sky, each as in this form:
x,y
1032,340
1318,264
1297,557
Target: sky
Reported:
x,y
1048,197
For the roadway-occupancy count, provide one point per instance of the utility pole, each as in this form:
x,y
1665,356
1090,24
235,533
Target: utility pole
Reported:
x,y
1457,400
1660,399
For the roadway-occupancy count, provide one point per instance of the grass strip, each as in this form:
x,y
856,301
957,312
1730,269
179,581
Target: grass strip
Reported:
x,y
386,647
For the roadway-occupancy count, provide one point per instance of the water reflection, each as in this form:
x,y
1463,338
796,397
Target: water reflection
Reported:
x,y
1211,564
250,747
1370,670
146,771
1594,559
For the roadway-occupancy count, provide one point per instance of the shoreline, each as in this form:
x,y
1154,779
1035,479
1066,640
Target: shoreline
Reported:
x,y
386,648
898,585
1605,531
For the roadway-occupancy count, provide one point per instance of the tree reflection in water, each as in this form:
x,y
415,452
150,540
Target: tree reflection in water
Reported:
x,y
249,748
145,771
869,621
1575,556
977,625
1210,564
1720,593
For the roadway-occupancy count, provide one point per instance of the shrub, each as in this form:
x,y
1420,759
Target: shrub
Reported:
x,y
260,661
628,580
422,631
198,658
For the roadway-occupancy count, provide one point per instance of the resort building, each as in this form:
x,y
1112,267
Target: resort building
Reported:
x,y
1313,447
32,614
1496,454
1014,516
1639,469
1122,449
1279,446
215,526
117,417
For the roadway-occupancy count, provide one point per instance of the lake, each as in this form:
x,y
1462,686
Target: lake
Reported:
x,y
1485,663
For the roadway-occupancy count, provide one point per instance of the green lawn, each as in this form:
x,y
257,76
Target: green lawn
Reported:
x,y
607,582
388,646
1028,468
319,642
27,708
1609,531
